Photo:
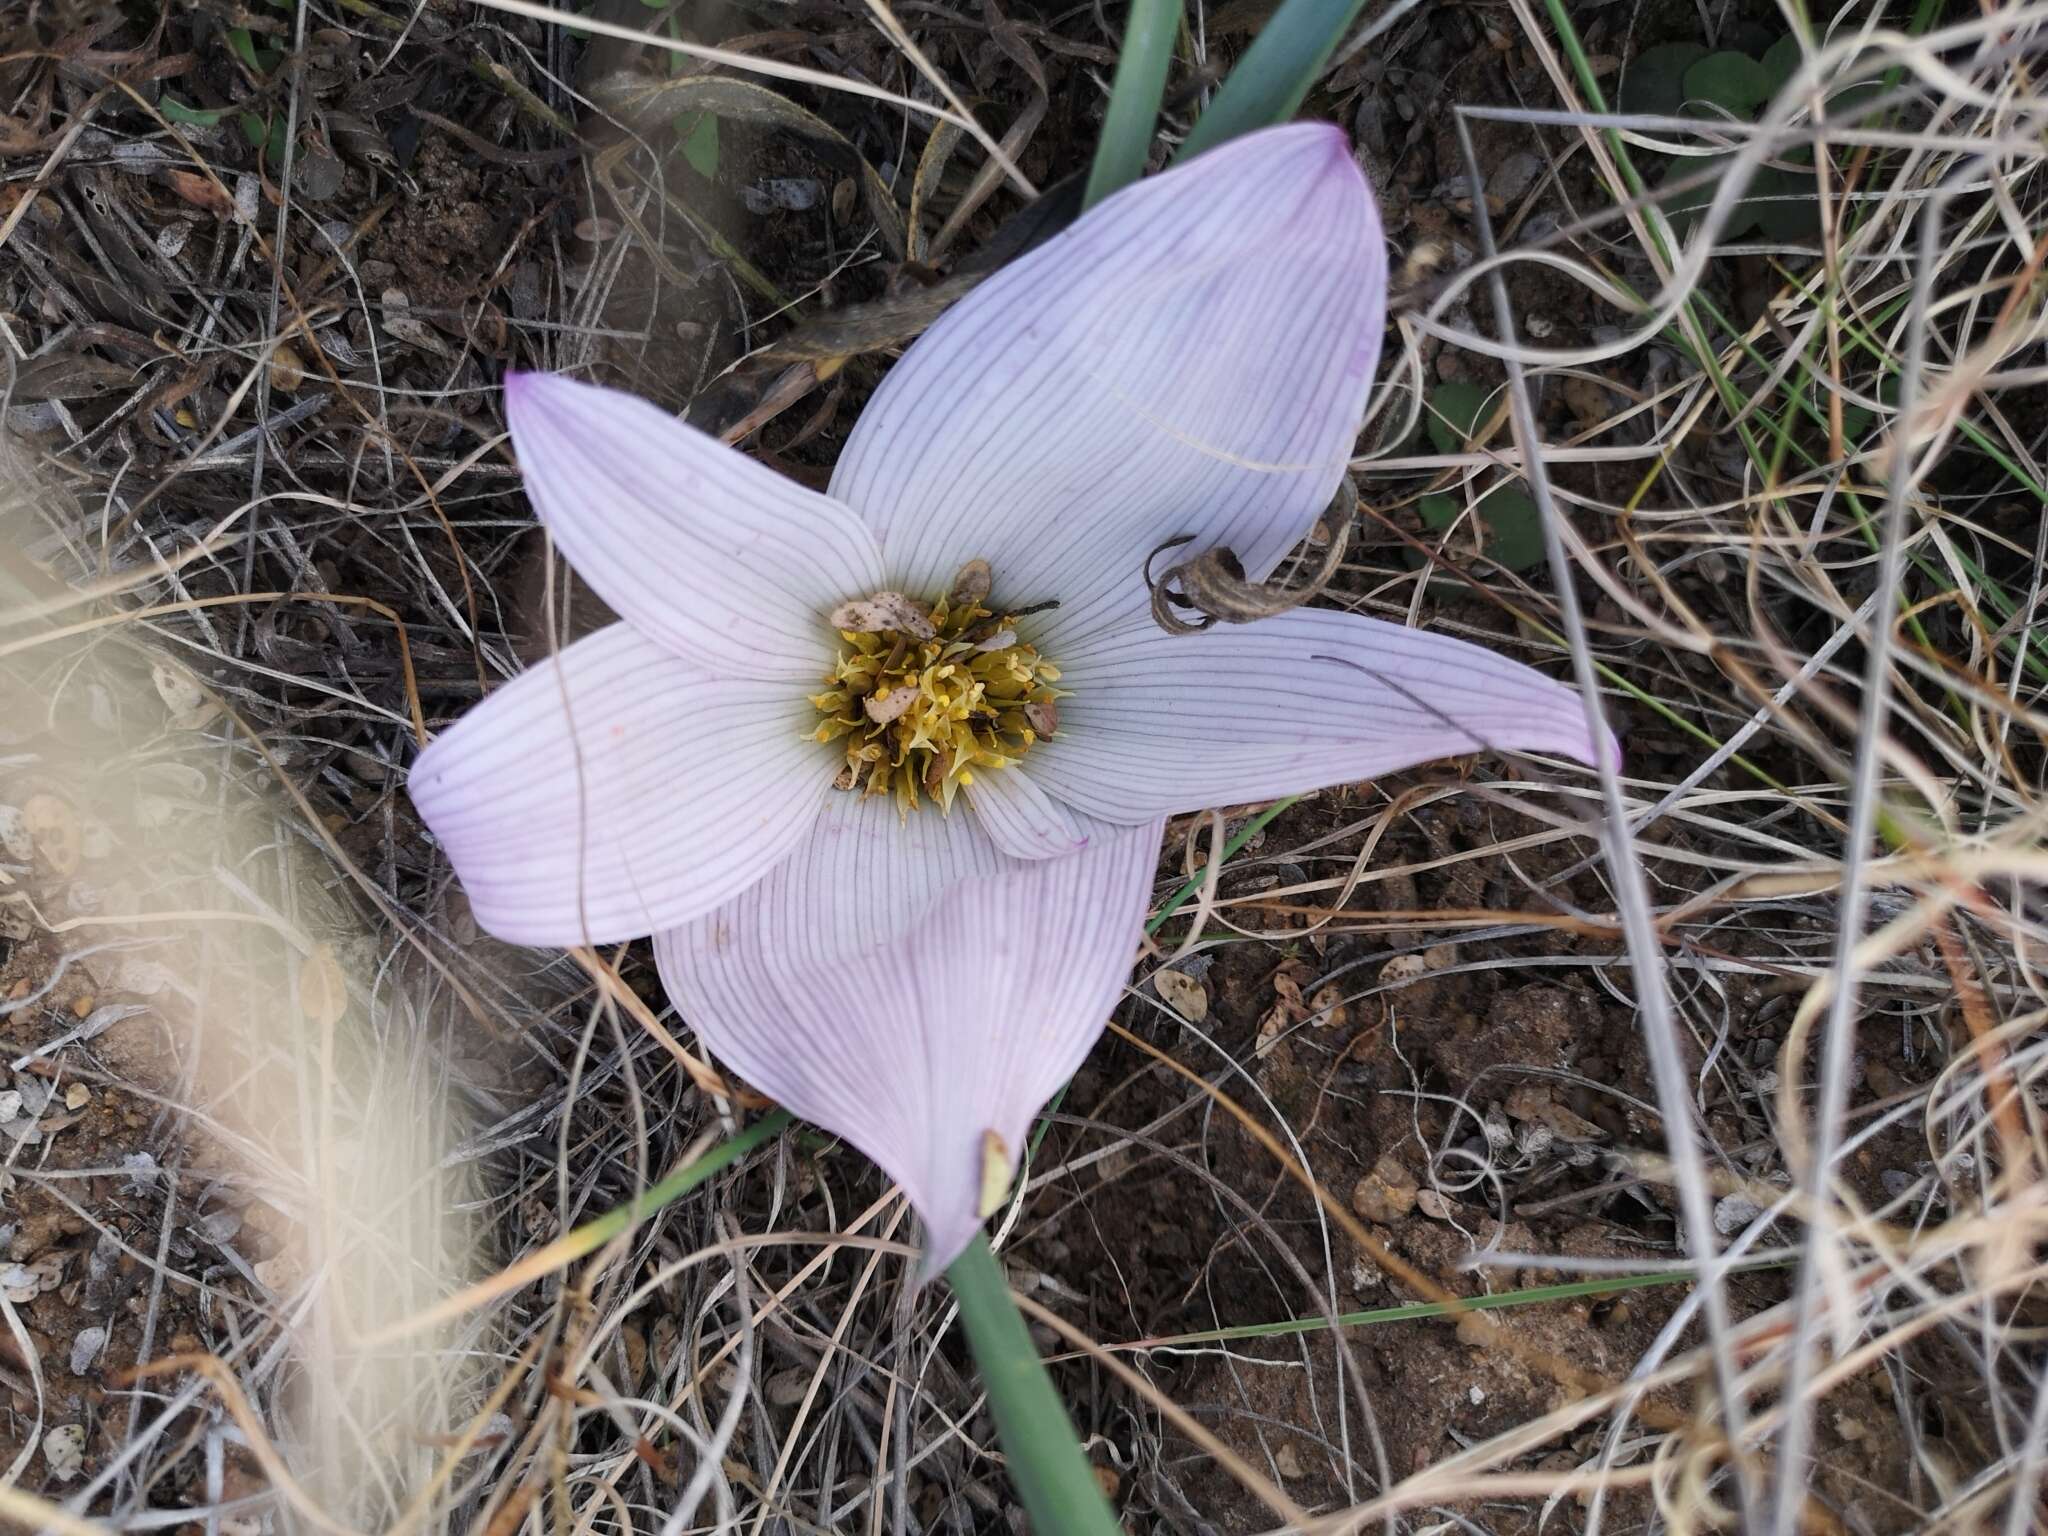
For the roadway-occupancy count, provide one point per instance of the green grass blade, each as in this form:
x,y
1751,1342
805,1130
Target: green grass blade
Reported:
x,y
1269,82
1046,1464
1231,849
594,1234
1133,114
1534,1295
589,1237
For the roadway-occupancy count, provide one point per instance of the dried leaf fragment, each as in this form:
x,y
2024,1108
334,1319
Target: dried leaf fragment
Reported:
x,y
1183,994
1213,584
323,990
1402,968
200,191
25,1282
1272,1026
1327,1008
64,1451
883,710
53,826
181,695
85,1349
70,376
996,1172
883,611
15,839
971,584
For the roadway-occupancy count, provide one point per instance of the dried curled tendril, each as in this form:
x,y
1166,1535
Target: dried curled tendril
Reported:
x,y
1213,584
925,695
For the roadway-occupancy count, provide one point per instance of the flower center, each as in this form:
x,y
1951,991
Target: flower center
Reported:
x,y
924,697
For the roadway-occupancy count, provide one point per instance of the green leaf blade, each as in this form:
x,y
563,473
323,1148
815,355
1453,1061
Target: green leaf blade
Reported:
x,y
1454,415
700,143
1273,78
1653,85
1133,115
1732,81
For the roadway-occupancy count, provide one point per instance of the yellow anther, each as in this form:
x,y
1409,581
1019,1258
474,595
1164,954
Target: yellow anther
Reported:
x,y
922,707
996,1173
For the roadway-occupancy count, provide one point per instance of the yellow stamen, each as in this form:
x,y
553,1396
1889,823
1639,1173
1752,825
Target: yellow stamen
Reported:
x,y
924,706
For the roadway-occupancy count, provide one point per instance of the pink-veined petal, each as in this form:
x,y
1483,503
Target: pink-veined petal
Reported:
x,y
914,997
1156,723
1023,819
862,876
616,789
724,561
1191,357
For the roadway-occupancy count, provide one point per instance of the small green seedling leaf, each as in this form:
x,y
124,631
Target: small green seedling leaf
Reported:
x,y
244,46
1685,207
191,117
254,129
1857,420
1454,414
1786,204
1732,81
1781,61
1855,106
1514,529
700,143
1654,82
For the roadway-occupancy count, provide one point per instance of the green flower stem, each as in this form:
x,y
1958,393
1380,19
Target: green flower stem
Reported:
x,y
1046,1463
1133,113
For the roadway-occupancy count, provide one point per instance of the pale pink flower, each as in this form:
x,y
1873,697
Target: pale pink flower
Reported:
x,y
1191,357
